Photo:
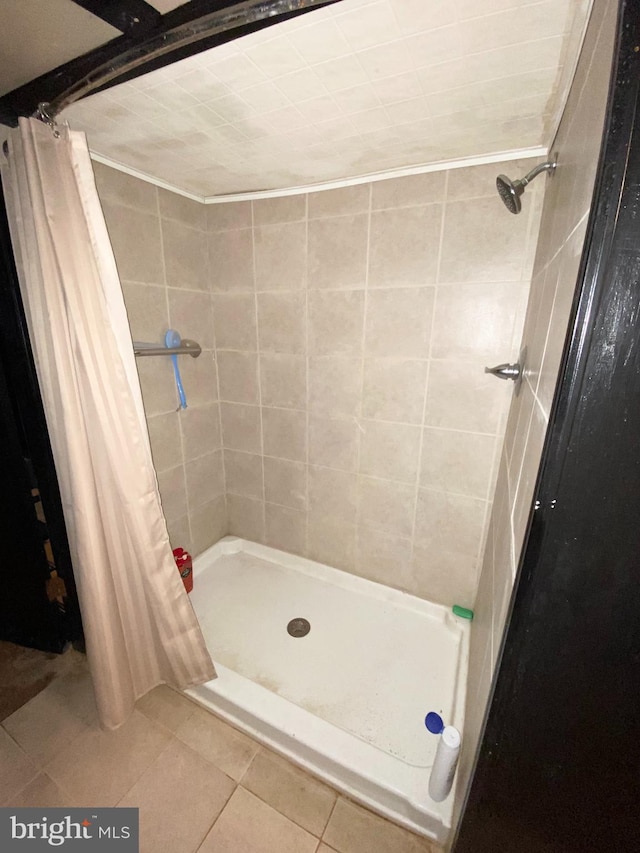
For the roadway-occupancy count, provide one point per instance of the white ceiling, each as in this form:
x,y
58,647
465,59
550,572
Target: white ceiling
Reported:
x,y
36,37
356,88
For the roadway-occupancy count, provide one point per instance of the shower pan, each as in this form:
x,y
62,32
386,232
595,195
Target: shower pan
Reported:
x,y
307,659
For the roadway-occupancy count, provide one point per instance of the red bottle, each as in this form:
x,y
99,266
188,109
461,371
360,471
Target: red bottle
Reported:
x,y
184,562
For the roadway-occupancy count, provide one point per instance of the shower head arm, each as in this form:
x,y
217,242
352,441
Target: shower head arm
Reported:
x,y
549,166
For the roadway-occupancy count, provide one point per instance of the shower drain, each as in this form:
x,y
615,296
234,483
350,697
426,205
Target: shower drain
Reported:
x,y
298,627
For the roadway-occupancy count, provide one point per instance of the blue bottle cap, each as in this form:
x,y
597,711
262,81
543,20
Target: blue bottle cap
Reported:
x,y
434,722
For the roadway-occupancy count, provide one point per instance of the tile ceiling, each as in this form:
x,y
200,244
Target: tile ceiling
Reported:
x,y
356,88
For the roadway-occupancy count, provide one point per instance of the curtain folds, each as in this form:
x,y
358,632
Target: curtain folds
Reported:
x,y
139,625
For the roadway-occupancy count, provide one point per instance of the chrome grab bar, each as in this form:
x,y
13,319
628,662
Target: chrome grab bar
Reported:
x,y
187,347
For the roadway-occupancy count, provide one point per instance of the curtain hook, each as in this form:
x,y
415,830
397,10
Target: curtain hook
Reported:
x,y
47,117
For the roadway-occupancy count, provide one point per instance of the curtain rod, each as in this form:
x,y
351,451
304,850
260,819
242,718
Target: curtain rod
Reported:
x,y
241,14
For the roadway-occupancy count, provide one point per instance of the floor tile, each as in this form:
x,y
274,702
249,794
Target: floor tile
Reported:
x,y
100,767
247,825
353,829
45,725
16,768
179,797
219,743
25,672
75,690
291,791
166,706
42,792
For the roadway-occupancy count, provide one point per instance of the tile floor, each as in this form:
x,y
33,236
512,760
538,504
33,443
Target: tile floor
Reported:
x,y
200,785
24,673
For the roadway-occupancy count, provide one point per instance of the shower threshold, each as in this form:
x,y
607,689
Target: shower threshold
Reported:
x,y
344,696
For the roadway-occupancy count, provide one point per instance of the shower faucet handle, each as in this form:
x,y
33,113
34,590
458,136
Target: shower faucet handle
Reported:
x,y
505,371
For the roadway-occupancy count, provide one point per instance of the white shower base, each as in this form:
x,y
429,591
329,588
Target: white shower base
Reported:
x,y
348,700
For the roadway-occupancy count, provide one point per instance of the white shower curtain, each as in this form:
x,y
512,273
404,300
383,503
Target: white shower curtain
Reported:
x,y
139,625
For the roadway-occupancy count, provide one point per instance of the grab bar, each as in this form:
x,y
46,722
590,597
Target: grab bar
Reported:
x,y
187,347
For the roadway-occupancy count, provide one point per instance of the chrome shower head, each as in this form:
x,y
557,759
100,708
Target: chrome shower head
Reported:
x,y
510,191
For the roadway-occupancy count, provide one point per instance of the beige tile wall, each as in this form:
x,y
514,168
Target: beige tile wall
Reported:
x,y
564,219
160,243
352,330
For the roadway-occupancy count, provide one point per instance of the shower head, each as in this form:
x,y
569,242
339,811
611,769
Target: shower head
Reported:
x,y
510,191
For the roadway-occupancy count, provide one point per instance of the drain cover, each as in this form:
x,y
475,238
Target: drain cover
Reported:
x,y
298,627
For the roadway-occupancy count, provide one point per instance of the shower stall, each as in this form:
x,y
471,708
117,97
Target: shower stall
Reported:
x,y
336,466
352,479
345,464
342,432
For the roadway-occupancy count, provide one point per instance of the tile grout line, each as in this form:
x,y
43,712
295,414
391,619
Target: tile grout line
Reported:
x,y
517,484
269,754
41,772
162,751
363,348
219,815
443,201
498,451
331,813
543,354
176,412
216,365
561,246
531,238
39,767
493,592
498,448
491,434
259,371
344,471
366,526
386,358
406,285
307,364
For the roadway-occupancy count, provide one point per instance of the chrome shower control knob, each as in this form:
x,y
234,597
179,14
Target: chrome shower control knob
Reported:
x,y
505,371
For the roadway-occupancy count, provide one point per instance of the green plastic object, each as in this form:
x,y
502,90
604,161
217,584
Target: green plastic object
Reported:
x,y
464,612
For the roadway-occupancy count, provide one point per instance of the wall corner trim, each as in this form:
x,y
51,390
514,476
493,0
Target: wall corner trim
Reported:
x,y
443,165
143,176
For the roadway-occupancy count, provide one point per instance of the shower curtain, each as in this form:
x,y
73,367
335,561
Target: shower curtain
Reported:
x,y
139,626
